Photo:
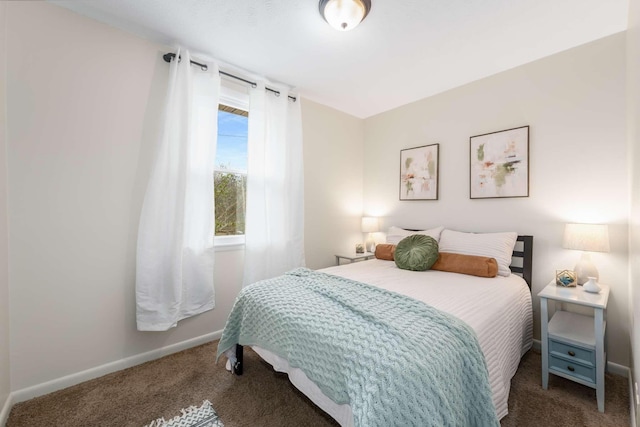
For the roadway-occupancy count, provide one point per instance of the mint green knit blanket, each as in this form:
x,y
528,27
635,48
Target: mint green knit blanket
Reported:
x,y
395,360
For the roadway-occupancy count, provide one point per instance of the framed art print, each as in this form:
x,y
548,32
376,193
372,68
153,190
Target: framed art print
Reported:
x,y
499,164
419,173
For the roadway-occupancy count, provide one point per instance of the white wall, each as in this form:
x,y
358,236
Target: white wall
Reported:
x,y
333,144
83,102
4,279
83,99
574,103
633,127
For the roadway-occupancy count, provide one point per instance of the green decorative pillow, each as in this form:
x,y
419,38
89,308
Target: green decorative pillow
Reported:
x,y
416,252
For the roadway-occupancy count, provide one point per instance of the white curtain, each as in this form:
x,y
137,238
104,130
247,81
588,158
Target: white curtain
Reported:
x,y
274,240
174,272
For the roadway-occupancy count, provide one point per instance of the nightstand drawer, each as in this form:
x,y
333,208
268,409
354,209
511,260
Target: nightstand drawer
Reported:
x,y
573,369
571,352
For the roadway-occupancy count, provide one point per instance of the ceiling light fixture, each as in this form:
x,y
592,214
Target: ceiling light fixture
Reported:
x,y
344,15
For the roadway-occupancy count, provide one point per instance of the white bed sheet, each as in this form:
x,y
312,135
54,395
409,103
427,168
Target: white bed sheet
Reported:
x,y
498,309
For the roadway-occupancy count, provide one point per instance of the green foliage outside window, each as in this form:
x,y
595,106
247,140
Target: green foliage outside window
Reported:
x,y
230,198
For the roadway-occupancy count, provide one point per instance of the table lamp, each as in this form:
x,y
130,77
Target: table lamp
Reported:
x,y
587,238
370,225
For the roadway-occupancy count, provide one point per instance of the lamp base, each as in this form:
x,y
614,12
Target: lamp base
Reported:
x,y
591,285
369,243
370,246
585,269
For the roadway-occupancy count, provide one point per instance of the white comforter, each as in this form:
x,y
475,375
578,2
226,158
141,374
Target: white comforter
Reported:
x,y
498,309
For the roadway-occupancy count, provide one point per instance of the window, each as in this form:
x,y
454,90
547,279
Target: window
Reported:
x,y
230,171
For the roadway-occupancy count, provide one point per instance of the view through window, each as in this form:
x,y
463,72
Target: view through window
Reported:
x,y
230,175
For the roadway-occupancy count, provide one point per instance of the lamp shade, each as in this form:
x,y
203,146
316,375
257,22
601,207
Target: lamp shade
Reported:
x,y
586,237
369,224
344,15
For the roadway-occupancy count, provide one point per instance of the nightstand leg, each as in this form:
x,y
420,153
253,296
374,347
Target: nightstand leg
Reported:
x,y
599,332
544,325
337,260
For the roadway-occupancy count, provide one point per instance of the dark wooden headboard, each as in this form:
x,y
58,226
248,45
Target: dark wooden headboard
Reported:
x,y
524,266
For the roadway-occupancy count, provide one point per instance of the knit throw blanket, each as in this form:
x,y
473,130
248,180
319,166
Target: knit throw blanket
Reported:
x,y
393,359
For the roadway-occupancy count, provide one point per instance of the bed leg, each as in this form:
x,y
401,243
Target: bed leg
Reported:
x,y
237,367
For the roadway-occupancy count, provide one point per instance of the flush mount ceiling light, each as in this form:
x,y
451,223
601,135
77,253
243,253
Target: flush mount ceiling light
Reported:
x,y
344,15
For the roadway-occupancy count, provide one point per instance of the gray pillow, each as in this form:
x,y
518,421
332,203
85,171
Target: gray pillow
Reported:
x,y
417,252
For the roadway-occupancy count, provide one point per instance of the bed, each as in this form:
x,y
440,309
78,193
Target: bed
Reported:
x,y
497,310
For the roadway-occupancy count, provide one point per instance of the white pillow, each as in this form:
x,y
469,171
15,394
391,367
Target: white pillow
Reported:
x,y
395,234
493,245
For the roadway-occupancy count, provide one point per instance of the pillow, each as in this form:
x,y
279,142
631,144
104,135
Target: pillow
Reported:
x,y
385,251
492,245
395,234
417,252
466,264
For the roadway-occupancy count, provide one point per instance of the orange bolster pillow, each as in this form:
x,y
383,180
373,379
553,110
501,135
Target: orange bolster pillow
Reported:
x,y
385,251
466,264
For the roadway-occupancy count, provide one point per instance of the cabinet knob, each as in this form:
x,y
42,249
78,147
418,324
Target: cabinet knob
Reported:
x,y
571,368
571,353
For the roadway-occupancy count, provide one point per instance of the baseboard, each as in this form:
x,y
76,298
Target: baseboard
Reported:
x,y
89,374
616,369
632,398
537,346
4,415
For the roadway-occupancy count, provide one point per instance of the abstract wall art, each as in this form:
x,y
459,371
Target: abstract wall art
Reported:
x,y
499,165
419,173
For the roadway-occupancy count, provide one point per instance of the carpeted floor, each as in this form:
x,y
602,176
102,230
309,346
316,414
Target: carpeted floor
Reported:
x,y
564,403
262,397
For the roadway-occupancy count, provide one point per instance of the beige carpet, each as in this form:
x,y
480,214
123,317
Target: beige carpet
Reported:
x,y
261,397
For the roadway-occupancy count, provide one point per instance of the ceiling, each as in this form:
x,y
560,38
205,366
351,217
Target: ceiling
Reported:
x,y
405,50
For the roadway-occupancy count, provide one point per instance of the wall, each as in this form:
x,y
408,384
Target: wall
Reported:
x,y
633,137
333,143
4,279
80,98
83,102
574,103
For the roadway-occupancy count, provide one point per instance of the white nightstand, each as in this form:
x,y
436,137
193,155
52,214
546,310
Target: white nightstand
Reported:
x,y
352,257
573,344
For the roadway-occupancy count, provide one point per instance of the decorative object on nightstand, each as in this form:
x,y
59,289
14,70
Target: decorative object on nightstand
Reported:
x,y
591,285
586,238
566,278
573,344
359,248
370,225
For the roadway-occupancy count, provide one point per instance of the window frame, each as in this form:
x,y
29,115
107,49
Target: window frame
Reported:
x,y
236,96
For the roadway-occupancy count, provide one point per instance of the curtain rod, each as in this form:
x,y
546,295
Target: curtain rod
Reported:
x,y
168,57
